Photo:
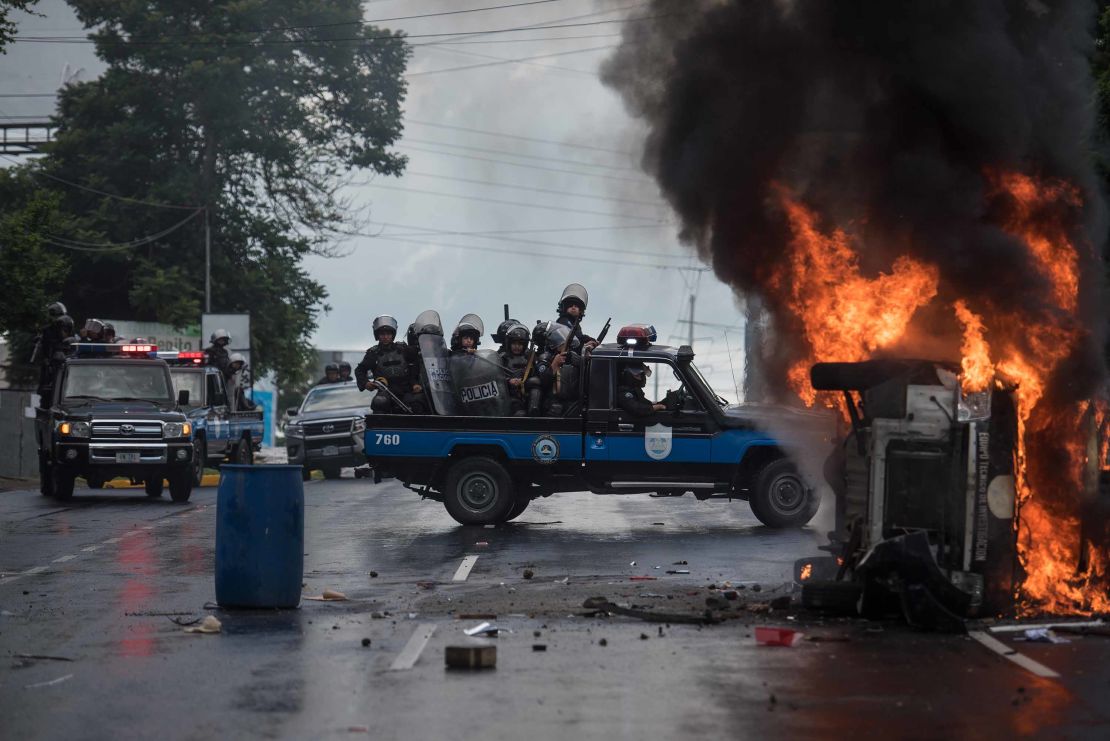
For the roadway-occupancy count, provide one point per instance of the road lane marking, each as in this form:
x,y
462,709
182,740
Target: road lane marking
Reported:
x,y
11,578
464,568
412,650
34,570
1006,652
63,559
90,549
109,541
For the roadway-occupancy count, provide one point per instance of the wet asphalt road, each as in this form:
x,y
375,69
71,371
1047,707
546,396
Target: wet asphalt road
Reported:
x,y
98,580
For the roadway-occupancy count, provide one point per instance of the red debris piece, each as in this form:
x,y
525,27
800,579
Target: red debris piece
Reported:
x,y
768,636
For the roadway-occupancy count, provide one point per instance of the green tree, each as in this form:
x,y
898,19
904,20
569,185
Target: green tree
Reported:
x,y
7,25
249,114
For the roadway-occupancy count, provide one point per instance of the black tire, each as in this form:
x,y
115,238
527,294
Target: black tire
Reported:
x,y
244,454
154,487
46,482
520,504
478,491
781,498
840,597
332,472
200,457
61,481
306,474
94,482
181,485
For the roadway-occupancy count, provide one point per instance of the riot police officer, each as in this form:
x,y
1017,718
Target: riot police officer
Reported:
x,y
572,310
331,374
109,334
514,359
217,350
51,347
392,364
344,371
467,335
630,391
236,369
92,331
553,389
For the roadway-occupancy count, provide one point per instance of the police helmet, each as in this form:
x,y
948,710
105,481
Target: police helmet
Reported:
x,y
221,334
383,323
331,367
470,325
635,374
501,335
410,335
517,333
109,331
575,293
236,357
56,310
344,366
557,337
65,321
428,322
93,329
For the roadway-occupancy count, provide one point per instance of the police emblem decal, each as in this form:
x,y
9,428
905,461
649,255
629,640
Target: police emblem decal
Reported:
x,y
545,449
657,442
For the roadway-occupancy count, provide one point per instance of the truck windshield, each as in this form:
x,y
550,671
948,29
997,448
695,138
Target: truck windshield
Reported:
x,y
337,396
117,381
191,381
699,379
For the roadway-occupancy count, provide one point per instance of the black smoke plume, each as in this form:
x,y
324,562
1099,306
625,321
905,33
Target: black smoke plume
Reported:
x,y
885,116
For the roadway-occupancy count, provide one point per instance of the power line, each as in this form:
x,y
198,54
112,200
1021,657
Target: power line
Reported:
x,y
487,150
527,60
71,244
519,41
552,191
518,137
638,181
522,60
511,203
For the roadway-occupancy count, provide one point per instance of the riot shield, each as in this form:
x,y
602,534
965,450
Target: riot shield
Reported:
x,y
435,370
428,322
480,387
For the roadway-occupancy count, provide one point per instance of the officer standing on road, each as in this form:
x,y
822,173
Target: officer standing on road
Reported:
x,y
331,374
392,364
217,351
514,360
344,371
630,391
572,310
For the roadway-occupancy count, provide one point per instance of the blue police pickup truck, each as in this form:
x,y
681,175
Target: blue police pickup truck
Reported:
x,y
220,432
486,469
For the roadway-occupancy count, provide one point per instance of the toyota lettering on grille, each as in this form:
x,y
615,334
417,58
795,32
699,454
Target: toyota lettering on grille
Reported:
x,y
328,428
126,429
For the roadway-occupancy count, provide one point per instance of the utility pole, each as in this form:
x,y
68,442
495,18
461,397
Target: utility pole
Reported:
x,y
207,264
690,341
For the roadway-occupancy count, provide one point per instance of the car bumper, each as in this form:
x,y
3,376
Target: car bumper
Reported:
x,y
345,451
123,459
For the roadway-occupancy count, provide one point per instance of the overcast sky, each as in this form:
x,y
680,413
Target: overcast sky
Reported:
x,y
581,186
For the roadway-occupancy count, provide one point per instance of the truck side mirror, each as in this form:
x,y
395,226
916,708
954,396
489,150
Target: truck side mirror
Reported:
x,y
291,411
183,397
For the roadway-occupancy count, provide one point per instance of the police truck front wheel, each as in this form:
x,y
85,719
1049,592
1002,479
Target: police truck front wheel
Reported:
x,y
478,491
181,485
61,481
153,487
781,498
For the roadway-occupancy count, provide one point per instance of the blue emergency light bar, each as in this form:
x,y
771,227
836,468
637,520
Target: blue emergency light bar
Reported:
x,y
113,349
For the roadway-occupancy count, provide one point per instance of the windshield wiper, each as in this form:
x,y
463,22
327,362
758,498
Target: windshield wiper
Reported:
x,y
85,396
140,398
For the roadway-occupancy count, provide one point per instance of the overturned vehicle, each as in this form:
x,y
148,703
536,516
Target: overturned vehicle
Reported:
x,y
925,496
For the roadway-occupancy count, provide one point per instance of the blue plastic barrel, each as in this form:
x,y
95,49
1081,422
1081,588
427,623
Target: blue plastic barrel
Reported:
x,y
259,536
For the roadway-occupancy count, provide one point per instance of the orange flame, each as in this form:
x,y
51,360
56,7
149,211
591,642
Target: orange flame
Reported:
x,y
978,372
845,315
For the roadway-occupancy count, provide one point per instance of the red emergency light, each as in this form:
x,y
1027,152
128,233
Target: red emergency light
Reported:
x,y
637,336
196,357
138,348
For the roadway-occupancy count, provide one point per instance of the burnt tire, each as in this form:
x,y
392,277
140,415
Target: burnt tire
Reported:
x,y
840,597
478,491
181,485
200,457
781,498
332,472
153,487
61,482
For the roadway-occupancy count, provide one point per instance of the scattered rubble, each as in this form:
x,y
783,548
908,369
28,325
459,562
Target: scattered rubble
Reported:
x,y
471,657
329,595
210,624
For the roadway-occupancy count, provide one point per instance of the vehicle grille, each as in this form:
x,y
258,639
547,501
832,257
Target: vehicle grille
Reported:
x,y
127,430
328,427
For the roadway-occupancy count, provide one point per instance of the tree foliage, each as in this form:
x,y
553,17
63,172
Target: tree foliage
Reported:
x,y
252,113
7,25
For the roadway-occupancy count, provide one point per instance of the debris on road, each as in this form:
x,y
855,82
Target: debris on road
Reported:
x,y
602,605
642,578
329,595
539,646
52,682
183,622
476,616
365,642
373,574
681,563
485,629
603,642
768,636
482,543
471,657
1042,635
528,573
42,657
209,625
678,571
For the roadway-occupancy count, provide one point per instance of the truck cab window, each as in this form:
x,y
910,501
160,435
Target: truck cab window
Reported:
x,y
216,395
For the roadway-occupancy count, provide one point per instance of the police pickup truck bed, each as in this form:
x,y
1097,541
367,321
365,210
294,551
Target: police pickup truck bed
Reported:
x,y
113,413
487,469
220,433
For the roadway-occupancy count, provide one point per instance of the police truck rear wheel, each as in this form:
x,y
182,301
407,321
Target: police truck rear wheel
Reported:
x,y
244,454
46,482
478,491
153,487
781,498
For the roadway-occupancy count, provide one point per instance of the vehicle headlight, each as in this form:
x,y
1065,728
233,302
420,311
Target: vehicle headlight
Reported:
x,y
74,429
177,429
360,425
294,429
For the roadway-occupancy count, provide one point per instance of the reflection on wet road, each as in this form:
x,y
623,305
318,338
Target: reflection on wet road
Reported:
x,y
102,580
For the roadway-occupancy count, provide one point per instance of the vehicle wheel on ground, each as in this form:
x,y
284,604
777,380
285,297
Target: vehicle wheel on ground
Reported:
x,y
478,491
306,474
841,597
181,485
520,504
200,456
61,481
46,482
95,482
332,472
781,498
153,487
244,454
